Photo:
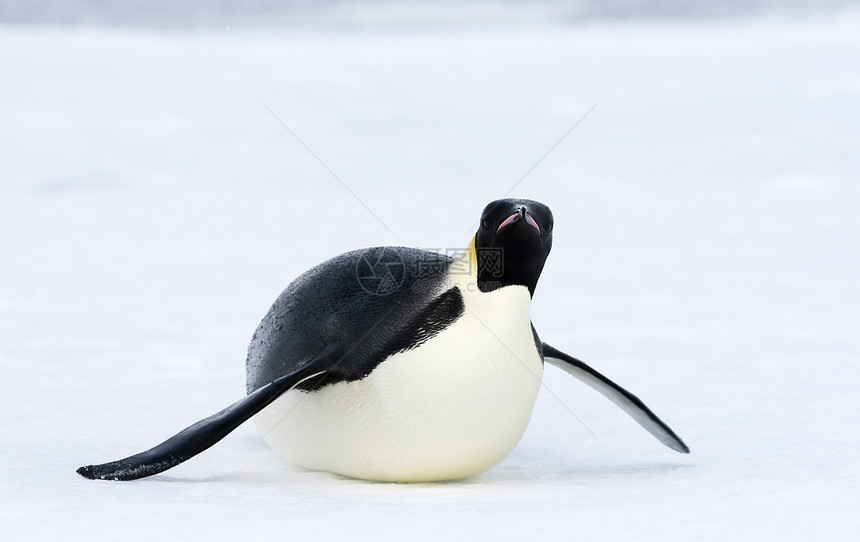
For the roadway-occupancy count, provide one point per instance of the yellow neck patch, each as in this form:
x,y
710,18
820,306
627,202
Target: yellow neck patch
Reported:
x,y
473,257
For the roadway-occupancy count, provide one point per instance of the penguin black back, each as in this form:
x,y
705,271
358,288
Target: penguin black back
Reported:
x,y
372,303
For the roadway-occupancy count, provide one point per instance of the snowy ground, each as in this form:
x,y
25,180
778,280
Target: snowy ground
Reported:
x,y
706,257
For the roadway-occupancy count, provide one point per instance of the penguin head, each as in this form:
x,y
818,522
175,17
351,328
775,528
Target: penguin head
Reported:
x,y
513,241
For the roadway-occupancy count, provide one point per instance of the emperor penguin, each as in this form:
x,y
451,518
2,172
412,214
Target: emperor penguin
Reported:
x,y
400,364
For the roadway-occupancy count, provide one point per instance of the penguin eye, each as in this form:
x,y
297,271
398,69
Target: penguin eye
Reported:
x,y
485,224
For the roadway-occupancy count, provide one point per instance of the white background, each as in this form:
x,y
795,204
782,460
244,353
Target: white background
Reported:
x,y
705,257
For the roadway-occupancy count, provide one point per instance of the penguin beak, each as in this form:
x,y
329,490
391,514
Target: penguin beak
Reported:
x,y
522,213
508,221
532,222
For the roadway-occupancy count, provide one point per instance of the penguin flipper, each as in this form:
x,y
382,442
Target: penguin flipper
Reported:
x,y
628,402
198,437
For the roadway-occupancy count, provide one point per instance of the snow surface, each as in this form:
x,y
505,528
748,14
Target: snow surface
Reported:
x,y
706,257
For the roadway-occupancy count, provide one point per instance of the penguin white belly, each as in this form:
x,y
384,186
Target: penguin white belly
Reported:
x,y
453,407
